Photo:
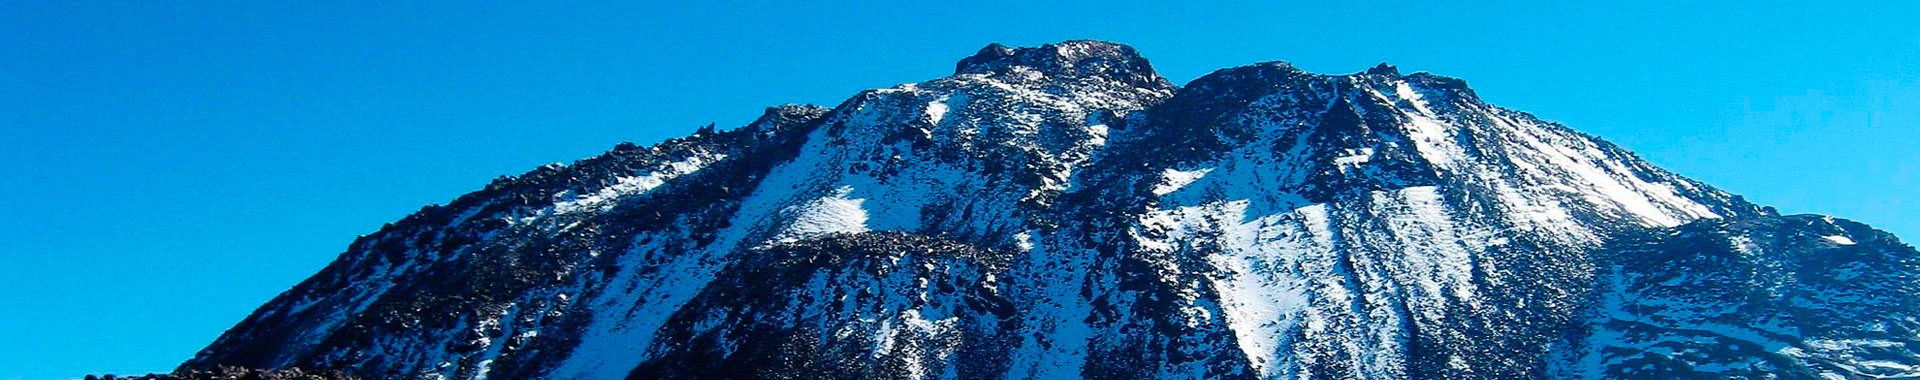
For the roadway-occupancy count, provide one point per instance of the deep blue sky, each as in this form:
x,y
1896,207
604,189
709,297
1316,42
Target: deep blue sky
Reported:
x,y
166,168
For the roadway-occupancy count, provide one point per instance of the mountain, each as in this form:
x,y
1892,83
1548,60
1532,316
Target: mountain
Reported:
x,y
1062,211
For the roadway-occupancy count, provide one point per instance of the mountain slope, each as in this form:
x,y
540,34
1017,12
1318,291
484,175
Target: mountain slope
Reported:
x,y
1049,212
1791,296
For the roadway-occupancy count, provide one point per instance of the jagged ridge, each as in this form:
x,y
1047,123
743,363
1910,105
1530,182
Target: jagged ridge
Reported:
x,y
1048,212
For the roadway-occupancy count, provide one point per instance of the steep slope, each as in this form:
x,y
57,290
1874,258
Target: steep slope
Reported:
x,y
1795,297
881,305
1050,212
1360,226
451,289
600,254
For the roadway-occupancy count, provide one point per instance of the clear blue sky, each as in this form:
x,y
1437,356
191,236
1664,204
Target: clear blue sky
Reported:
x,y
165,168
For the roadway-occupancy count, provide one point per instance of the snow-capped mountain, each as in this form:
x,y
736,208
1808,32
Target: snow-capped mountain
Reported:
x,y
1062,211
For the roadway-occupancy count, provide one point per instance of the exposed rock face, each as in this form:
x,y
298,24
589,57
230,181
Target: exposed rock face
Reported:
x,y
234,373
1064,212
1786,297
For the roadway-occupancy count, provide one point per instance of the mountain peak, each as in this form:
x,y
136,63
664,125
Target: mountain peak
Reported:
x,y
1384,69
1062,211
1066,59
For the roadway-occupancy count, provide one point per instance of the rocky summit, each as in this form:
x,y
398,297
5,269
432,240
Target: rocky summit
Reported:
x,y
1063,211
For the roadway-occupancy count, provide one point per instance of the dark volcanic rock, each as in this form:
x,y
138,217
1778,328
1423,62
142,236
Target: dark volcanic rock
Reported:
x,y
1062,211
235,373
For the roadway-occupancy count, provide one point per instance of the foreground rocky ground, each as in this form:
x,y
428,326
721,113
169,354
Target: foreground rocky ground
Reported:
x,y
234,373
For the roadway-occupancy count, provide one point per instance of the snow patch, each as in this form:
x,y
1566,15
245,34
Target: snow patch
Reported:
x,y
631,185
937,110
1260,296
1431,138
1837,239
1176,179
830,214
1353,158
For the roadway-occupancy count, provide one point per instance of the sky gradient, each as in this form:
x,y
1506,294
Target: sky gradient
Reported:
x,y
169,167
